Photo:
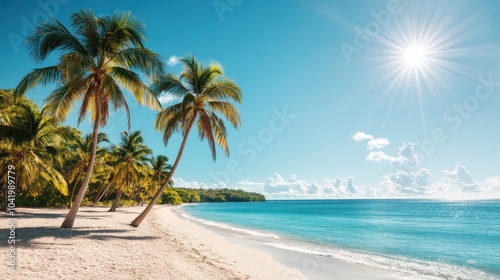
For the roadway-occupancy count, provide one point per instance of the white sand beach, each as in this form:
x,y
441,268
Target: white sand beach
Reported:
x,y
104,244
165,246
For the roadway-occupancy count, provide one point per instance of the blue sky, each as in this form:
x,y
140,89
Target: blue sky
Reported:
x,y
340,97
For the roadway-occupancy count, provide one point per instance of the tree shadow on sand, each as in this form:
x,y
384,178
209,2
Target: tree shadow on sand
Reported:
x,y
27,235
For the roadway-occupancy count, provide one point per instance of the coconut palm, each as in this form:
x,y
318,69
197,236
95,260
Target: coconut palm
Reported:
x,y
159,172
98,57
105,176
32,142
79,162
206,95
132,158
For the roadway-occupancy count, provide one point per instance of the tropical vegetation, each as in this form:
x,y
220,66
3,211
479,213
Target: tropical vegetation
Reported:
x,y
98,56
54,159
98,59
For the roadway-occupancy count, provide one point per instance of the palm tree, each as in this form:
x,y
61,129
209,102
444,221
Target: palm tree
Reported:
x,y
79,162
105,176
132,157
32,142
100,54
205,94
159,172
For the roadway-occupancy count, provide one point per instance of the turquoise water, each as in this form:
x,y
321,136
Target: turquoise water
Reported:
x,y
441,239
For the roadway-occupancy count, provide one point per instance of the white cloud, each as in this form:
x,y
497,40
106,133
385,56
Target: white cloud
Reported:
x,y
460,184
408,179
403,183
277,187
180,183
166,98
373,143
379,156
173,60
460,180
460,174
407,159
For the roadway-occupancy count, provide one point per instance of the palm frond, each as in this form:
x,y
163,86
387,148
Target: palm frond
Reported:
x,y
116,96
140,59
60,102
219,129
205,131
119,30
49,36
223,89
86,25
18,135
38,77
171,85
190,72
227,110
209,73
133,83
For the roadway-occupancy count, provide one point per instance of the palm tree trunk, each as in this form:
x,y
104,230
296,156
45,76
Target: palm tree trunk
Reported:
x,y
117,200
140,218
119,194
71,216
101,194
74,188
136,192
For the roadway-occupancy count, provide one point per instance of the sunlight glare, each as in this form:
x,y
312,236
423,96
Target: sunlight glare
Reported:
x,y
415,56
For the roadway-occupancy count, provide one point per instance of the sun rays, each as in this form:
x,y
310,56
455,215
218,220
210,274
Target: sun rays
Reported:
x,y
418,56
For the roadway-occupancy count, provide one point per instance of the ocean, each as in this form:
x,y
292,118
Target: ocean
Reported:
x,y
435,239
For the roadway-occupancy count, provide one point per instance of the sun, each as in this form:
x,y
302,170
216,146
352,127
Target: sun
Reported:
x,y
420,56
415,56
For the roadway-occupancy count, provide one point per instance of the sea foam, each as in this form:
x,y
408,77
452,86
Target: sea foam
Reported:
x,y
433,270
233,228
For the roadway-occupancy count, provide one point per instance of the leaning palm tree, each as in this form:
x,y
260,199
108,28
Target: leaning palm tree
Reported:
x,y
206,94
100,54
132,157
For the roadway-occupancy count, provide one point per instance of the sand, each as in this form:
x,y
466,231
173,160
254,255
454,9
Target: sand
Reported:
x,y
103,244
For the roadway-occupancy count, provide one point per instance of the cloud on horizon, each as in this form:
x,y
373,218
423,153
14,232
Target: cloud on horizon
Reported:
x,y
396,185
406,180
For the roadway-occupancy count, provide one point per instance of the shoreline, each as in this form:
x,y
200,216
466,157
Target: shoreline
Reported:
x,y
310,266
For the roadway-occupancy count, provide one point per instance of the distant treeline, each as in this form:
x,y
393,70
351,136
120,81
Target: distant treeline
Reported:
x,y
183,195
